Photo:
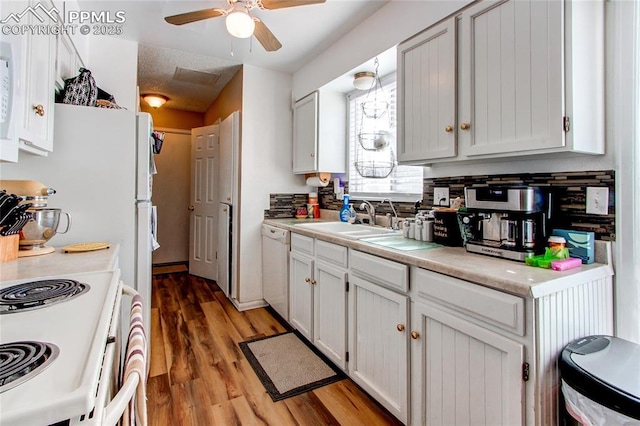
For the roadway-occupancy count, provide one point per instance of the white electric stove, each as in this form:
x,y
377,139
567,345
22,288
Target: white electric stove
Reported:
x,y
71,335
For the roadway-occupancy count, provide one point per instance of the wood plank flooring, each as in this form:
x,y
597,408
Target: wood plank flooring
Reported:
x,y
199,376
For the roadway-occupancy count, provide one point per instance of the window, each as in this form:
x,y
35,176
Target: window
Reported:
x,y
405,182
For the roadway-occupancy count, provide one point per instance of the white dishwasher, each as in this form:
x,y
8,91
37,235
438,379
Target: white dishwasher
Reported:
x,y
275,268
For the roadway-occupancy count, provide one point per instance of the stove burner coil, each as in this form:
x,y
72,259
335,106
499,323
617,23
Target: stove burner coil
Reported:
x,y
21,361
38,294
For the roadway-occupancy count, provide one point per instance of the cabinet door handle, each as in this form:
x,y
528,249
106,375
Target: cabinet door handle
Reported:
x,y
312,154
191,208
307,280
465,126
400,327
314,282
448,129
415,335
39,109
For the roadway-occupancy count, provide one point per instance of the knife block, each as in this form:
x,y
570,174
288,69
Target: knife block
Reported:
x,y
9,247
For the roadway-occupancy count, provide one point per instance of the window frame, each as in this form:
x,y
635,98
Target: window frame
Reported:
x,y
368,195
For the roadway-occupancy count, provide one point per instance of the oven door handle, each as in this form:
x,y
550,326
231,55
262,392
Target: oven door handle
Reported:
x,y
116,407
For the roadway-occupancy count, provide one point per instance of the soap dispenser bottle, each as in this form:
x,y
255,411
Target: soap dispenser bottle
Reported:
x,y
344,210
352,214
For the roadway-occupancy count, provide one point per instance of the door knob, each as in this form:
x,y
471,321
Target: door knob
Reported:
x,y
415,335
314,282
448,129
39,109
191,208
400,327
465,126
307,280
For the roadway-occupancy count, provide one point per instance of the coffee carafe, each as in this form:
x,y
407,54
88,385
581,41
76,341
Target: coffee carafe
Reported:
x,y
508,222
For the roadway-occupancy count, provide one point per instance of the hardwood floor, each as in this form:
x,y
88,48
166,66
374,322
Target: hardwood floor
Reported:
x,y
199,376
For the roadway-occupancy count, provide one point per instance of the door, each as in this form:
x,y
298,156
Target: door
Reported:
x,y
427,91
378,344
204,202
511,79
463,373
301,293
229,141
330,312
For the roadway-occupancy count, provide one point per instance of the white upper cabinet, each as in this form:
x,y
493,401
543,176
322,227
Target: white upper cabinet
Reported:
x,y
319,133
35,133
529,79
426,106
511,79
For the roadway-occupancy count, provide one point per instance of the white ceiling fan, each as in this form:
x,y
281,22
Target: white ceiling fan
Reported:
x,y
239,21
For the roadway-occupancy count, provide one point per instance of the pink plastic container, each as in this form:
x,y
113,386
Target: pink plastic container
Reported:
x,y
564,264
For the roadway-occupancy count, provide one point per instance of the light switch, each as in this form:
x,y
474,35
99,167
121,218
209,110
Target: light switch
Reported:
x,y
441,196
597,200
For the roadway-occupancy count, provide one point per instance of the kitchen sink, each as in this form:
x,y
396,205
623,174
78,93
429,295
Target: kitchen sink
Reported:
x,y
398,242
347,230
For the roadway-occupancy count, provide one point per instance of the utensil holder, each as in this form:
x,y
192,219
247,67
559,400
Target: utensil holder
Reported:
x,y
9,247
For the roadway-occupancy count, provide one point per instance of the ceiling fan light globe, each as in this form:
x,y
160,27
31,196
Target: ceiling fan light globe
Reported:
x,y
240,24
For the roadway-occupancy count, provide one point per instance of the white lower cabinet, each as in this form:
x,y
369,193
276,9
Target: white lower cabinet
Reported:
x,y
378,332
301,292
461,373
318,295
330,312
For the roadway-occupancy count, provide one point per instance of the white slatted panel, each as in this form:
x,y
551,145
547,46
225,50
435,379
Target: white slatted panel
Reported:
x,y
516,77
473,374
330,312
300,293
378,351
428,95
563,317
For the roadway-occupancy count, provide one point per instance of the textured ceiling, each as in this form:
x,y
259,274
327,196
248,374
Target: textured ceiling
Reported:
x,y
304,32
190,81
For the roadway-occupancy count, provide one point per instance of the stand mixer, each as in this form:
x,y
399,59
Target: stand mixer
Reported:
x,y
45,221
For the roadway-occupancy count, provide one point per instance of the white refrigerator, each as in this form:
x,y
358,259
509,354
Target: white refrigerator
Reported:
x,y
101,167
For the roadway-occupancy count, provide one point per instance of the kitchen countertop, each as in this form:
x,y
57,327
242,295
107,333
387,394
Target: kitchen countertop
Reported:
x,y
59,263
504,275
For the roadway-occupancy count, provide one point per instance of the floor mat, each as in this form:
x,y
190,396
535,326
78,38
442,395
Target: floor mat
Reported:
x,y
288,365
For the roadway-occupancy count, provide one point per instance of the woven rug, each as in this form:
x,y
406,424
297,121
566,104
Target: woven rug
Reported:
x,y
288,365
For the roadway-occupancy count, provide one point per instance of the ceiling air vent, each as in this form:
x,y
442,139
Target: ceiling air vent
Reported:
x,y
195,77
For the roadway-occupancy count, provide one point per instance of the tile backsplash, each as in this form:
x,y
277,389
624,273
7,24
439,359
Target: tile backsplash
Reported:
x,y
569,188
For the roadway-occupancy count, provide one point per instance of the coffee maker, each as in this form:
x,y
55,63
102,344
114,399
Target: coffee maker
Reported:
x,y
506,221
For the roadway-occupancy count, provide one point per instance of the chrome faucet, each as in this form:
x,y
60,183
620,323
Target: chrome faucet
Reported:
x,y
392,222
366,205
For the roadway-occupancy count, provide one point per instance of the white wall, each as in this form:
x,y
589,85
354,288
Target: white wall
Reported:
x,y
266,164
623,134
114,65
393,23
171,196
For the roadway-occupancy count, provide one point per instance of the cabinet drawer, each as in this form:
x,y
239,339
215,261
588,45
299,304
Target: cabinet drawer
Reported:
x,y
302,244
502,310
380,271
331,253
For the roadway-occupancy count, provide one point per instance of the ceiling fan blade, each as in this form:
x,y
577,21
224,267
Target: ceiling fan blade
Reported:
x,y
198,15
266,37
281,4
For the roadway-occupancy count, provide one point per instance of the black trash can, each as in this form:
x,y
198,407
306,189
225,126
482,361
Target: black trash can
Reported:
x,y
601,380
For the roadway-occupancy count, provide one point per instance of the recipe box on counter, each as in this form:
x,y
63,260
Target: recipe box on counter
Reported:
x,y
580,243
